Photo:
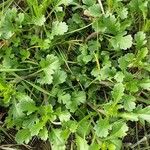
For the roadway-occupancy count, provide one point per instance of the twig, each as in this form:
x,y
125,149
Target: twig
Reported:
x,y
6,148
10,146
92,35
101,6
56,123
145,138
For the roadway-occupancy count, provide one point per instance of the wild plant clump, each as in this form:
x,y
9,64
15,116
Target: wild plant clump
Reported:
x,y
76,73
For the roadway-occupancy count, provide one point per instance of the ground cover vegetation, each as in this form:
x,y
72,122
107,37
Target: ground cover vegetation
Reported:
x,y
74,74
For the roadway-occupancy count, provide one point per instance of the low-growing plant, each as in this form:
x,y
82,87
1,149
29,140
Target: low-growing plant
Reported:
x,y
75,72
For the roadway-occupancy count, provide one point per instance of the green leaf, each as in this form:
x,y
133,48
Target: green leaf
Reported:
x,y
139,114
77,19
96,73
84,128
118,92
111,109
59,28
7,21
35,129
139,6
117,143
30,121
17,111
111,146
126,60
119,76
65,2
47,113
121,42
142,53
59,77
43,134
72,102
132,85
99,26
129,102
20,18
81,143
57,140
89,2
144,114
25,54
140,39
39,21
94,146
130,116
71,125
65,98
6,91
107,23
119,130
64,116
107,72
77,98
145,84
102,127
45,44
84,57
23,136
95,10
123,13
49,66
26,104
